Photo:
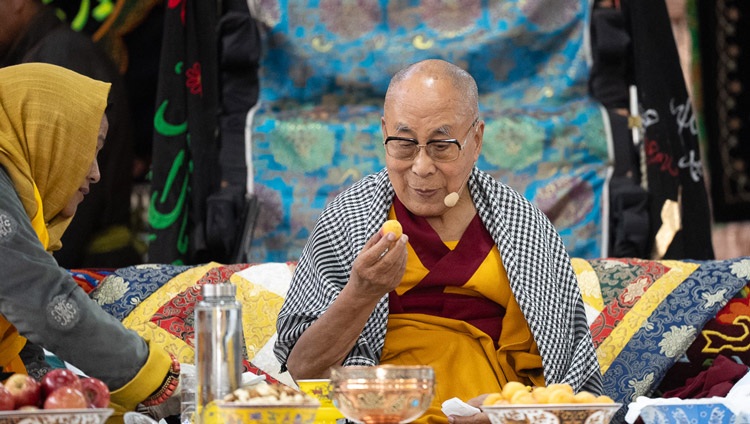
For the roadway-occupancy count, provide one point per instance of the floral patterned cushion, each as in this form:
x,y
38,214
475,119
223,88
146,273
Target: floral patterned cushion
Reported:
x,y
158,302
645,314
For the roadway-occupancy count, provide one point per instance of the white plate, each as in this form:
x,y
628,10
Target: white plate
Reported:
x,y
563,413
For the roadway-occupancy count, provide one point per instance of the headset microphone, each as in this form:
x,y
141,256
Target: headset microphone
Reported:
x,y
452,198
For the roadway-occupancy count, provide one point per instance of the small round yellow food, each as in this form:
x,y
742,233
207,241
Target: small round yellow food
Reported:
x,y
603,399
559,395
510,388
518,393
521,397
541,394
392,226
494,398
584,397
563,386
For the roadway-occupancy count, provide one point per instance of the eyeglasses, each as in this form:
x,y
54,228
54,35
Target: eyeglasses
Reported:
x,y
404,148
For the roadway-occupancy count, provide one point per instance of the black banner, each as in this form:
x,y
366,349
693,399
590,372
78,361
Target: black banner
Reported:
x,y
679,210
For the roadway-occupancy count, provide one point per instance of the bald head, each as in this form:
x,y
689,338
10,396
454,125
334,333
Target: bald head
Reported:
x,y
437,71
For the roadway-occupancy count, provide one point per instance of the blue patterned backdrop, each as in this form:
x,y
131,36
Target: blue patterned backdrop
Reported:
x,y
325,69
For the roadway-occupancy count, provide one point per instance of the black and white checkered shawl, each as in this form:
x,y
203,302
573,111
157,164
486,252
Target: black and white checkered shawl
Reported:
x,y
538,267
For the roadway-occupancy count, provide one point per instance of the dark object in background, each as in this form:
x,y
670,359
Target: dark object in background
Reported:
x,y
725,70
99,234
674,168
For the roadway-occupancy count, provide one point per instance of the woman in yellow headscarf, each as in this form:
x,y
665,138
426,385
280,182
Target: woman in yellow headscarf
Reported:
x,y
52,125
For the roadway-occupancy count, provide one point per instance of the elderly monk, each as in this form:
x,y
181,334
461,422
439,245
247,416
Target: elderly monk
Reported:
x,y
52,125
480,286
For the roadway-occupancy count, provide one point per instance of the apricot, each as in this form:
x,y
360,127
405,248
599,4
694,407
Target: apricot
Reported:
x,y
512,387
522,397
392,226
584,397
603,399
494,398
560,395
563,386
541,394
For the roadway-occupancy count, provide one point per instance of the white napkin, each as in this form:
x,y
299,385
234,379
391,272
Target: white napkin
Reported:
x,y
250,379
456,406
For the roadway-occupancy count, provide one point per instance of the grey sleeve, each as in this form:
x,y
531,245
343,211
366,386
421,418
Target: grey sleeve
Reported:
x,y
48,308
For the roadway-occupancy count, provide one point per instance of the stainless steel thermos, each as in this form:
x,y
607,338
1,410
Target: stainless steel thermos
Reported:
x,y
218,344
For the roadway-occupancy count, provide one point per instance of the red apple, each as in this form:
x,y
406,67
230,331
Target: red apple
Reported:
x,y
57,378
96,392
6,400
24,389
65,397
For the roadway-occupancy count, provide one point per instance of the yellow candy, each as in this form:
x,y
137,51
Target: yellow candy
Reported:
x,y
493,398
512,387
584,397
392,226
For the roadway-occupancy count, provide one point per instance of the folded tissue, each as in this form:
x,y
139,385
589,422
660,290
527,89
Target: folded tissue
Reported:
x,y
459,408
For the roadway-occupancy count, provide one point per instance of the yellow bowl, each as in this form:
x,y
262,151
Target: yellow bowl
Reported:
x,y
321,390
235,412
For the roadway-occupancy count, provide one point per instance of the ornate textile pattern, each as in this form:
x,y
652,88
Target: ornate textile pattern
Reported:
x,y
647,318
325,72
679,216
726,334
159,303
185,149
126,288
724,36
89,279
652,312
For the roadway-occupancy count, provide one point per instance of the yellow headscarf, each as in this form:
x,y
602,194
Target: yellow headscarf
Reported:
x,y
49,127
49,124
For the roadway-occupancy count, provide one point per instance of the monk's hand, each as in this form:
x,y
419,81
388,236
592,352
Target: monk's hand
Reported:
x,y
472,419
380,265
480,418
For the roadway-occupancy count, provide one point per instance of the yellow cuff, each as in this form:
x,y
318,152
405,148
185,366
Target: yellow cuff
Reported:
x,y
148,380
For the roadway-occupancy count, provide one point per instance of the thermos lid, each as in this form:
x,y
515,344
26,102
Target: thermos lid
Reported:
x,y
219,290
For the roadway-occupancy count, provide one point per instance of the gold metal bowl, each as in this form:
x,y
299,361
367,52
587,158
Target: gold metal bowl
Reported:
x,y
383,394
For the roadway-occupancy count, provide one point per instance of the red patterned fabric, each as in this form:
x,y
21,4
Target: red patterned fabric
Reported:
x,y
176,315
89,279
622,287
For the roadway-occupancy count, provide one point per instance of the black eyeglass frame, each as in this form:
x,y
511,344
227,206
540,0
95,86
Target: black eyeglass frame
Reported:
x,y
421,146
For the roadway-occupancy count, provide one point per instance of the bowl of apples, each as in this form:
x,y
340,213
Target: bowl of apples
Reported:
x,y
554,404
60,397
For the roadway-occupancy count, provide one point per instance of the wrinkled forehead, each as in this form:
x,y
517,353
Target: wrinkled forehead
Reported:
x,y
425,99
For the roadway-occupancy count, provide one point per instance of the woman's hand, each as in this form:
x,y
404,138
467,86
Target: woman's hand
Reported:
x,y
380,265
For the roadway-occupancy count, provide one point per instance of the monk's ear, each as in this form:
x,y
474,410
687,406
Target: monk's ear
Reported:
x,y
479,138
